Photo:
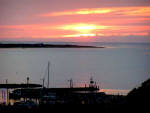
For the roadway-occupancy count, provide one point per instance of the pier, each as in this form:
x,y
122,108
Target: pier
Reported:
x,y
14,86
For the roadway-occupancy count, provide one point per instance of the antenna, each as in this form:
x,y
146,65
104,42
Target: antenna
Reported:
x,y
91,82
27,80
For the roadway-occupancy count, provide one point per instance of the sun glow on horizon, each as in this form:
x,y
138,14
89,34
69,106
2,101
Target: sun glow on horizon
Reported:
x,y
80,35
82,30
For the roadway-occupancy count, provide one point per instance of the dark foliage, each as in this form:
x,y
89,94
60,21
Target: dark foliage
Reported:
x,y
139,98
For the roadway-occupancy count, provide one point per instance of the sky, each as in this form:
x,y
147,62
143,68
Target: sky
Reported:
x,y
75,20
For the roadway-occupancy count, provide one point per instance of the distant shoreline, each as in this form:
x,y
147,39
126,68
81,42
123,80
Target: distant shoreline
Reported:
x,y
46,46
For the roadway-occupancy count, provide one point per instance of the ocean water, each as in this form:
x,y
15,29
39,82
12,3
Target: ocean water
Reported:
x,y
117,68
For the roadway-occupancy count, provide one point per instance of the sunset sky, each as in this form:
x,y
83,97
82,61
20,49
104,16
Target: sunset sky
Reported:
x,y
75,20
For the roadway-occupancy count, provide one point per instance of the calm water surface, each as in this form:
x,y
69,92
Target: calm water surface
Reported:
x,y
119,66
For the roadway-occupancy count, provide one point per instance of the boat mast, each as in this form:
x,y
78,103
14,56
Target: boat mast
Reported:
x,y
48,75
71,83
43,80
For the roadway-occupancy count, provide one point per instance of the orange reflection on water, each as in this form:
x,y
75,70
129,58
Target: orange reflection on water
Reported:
x,y
115,91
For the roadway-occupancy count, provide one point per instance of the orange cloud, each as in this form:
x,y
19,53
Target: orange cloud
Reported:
x,y
27,27
79,12
138,11
129,11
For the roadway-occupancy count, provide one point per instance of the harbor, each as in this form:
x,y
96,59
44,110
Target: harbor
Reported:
x,y
29,95
35,97
49,95
41,99
46,95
